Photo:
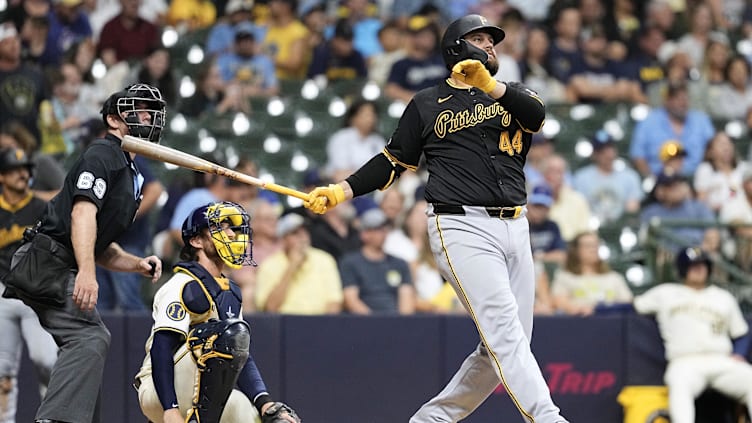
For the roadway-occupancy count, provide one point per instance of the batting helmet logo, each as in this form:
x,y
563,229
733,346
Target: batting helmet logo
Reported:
x,y
455,49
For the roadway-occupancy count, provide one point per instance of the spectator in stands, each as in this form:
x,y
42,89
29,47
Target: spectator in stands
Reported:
x,y
738,209
660,14
265,216
101,11
674,201
643,64
71,111
564,54
93,90
122,290
155,70
677,70
672,155
373,281
48,172
247,70
298,279
337,59
705,335
545,238
718,178
534,71
335,233
423,67
34,48
610,189
127,36
213,96
313,15
22,87
68,26
694,42
586,281
357,141
191,15
622,26
541,147
510,51
570,209
592,13
672,121
596,78
544,303
221,38
393,206
208,188
733,98
406,240
717,53
286,40
366,24
392,40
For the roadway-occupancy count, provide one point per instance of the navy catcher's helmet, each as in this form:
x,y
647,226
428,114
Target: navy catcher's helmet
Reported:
x,y
12,158
217,218
454,49
138,98
690,256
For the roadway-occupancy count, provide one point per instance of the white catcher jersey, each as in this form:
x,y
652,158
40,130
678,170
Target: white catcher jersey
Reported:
x,y
169,313
693,321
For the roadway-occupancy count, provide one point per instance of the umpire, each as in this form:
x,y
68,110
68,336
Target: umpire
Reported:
x,y
54,270
475,133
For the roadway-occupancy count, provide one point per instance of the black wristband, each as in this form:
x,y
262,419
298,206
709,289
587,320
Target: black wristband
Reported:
x,y
510,96
261,400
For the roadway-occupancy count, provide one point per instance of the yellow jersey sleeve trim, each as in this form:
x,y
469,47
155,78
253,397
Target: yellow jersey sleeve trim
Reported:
x,y
397,161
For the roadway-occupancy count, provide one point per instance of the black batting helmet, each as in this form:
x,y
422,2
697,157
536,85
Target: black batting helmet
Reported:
x,y
138,98
454,49
689,256
12,158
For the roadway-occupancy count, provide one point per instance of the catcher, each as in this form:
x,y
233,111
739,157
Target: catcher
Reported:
x,y
199,348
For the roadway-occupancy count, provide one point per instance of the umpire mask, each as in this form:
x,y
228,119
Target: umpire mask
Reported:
x,y
132,102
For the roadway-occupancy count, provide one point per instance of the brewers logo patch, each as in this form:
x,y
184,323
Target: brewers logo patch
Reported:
x,y
175,311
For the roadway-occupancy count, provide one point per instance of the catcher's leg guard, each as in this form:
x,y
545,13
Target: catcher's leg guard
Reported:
x,y
220,349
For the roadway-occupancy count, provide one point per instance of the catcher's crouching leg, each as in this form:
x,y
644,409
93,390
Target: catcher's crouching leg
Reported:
x,y
220,350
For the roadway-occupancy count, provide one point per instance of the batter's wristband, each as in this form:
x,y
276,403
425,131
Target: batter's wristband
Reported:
x,y
261,400
338,191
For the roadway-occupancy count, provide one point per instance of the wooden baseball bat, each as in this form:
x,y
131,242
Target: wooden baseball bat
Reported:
x,y
189,161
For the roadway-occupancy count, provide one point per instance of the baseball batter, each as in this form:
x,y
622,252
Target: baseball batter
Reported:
x,y
475,133
199,344
703,331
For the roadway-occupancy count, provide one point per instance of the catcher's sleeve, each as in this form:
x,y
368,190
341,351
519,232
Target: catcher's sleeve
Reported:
x,y
163,347
252,385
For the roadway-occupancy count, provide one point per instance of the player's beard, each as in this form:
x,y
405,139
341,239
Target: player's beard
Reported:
x,y
492,65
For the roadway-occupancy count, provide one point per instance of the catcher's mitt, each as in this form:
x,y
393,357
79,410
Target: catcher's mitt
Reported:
x,y
274,413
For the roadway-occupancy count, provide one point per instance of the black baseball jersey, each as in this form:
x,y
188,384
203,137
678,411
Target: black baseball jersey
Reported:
x,y
14,219
106,176
475,146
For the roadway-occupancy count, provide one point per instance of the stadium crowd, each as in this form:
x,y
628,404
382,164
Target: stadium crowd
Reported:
x,y
687,61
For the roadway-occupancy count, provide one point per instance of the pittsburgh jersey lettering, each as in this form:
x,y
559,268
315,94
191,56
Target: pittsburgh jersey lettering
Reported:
x,y
448,121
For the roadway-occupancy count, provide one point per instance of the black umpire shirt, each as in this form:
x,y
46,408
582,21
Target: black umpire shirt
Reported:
x,y
475,146
14,219
105,175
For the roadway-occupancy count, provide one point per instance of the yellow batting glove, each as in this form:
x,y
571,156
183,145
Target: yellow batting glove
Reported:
x,y
473,72
322,199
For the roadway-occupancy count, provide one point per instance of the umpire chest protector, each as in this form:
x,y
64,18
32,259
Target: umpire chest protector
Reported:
x,y
205,293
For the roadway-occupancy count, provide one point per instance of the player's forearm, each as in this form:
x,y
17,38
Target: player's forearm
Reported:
x,y
84,235
526,107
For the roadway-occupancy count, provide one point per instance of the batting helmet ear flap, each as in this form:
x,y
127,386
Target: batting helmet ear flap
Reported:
x,y
462,50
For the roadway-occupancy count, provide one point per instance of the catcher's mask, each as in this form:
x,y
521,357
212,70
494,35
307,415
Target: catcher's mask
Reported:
x,y
220,218
127,105
455,49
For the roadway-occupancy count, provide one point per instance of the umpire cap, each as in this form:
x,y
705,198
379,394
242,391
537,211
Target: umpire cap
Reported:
x,y
454,49
689,256
13,158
